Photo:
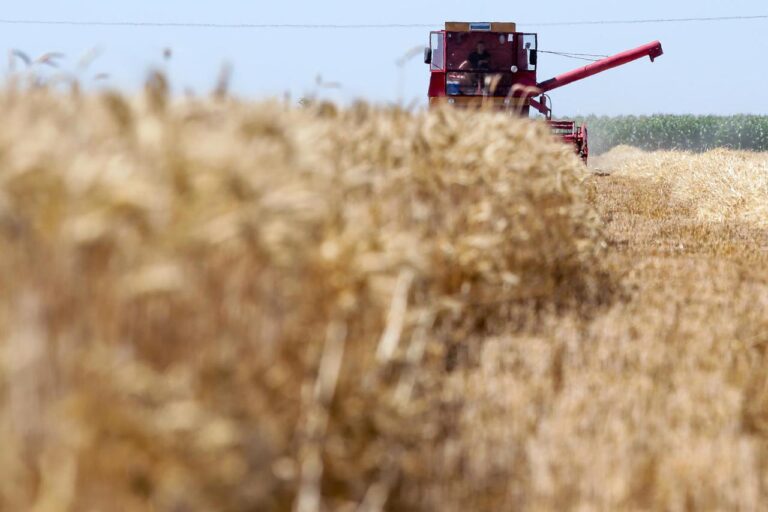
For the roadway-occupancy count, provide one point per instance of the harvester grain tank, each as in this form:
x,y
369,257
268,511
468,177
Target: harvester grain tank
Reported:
x,y
493,65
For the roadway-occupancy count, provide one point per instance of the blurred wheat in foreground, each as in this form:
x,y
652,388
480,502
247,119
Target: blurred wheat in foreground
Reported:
x,y
217,305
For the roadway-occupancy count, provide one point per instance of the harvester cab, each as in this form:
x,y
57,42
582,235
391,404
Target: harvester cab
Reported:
x,y
492,65
511,56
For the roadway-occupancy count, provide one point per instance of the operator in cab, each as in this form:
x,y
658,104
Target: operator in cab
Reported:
x,y
478,60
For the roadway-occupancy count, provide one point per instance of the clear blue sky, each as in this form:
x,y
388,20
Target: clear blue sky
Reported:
x,y
708,67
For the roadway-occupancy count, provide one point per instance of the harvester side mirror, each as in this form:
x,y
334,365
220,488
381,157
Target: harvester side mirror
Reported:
x,y
534,58
427,56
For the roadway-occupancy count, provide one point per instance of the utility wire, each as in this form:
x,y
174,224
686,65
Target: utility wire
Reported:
x,y
650,20
578,56
587,59
335,26
180,24
598,55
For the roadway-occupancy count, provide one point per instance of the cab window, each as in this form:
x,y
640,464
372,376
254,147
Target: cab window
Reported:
x,y
437,44
527,52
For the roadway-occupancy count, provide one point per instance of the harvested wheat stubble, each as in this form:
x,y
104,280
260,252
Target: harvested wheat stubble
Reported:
x,y
234,306
726,185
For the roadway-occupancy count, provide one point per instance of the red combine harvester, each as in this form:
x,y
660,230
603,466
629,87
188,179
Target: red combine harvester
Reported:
x,y
492,65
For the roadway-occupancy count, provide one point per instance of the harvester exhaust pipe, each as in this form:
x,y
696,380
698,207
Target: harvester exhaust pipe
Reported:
x,y
652,50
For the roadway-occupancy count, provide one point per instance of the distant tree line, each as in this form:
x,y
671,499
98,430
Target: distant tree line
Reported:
x,y
686,132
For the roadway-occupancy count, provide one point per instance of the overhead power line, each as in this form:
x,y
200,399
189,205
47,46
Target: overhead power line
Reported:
x,y
649,20
180,24
598,55
339,26
591,57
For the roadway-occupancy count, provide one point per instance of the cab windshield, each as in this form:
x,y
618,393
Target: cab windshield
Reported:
x,y
480,51
486,63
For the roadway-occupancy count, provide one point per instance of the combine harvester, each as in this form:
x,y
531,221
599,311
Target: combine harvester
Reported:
x,y
492,65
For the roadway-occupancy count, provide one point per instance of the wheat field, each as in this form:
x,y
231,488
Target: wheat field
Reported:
x,y
213,304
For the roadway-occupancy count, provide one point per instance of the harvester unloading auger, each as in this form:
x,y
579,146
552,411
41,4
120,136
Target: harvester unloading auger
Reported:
x,y
493,65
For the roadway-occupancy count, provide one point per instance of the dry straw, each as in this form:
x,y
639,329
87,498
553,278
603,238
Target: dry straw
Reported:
x,y
220,305
228,306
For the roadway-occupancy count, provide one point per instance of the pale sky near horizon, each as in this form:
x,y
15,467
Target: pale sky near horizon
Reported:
x,y
708,67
